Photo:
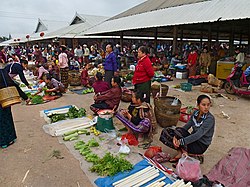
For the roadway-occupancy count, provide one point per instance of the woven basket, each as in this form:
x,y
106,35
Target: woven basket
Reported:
x,y
166,120
126,97
164,104
9,96
74,78
162,89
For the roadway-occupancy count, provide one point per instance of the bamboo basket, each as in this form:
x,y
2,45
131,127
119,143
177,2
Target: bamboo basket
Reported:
x,y
74,78
164,104
161,89
166,120
9,96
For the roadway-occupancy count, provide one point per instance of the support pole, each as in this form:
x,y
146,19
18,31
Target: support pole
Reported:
x,y
209,36
155,37
231,42
121,40
175,35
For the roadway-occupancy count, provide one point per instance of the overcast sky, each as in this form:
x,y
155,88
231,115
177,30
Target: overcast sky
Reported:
x,y
21,16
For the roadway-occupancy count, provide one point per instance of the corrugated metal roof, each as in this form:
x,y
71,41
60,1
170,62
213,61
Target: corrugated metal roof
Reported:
x,y
50,25
206,11
152,5
72,30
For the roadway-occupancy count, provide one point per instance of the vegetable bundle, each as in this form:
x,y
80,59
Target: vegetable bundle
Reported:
x,y
110,165
71,114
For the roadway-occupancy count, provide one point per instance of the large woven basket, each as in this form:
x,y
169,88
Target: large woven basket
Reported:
x,y
74,78
9,96
164,104
166,120
161,90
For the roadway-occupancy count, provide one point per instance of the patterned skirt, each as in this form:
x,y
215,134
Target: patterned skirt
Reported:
x,y
7,128
64,72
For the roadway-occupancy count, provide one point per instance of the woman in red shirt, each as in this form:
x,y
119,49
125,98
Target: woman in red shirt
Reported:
x,y
192,61
143,74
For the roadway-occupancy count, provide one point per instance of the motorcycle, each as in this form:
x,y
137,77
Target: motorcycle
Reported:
x,y
236,82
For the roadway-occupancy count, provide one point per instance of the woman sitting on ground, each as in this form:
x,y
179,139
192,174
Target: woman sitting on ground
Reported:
x,y
100,85
54,86
140,118
109,99
41,71
202,123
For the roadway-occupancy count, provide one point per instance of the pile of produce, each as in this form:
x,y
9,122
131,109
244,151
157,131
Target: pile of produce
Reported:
x,y
129,76
71,114
108,165
35,99
88,90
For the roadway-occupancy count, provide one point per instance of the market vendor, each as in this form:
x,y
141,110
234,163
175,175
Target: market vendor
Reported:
x,y
139,118
41,71
16,68
202,123
109,99
54,86
143,74
100,85
85,76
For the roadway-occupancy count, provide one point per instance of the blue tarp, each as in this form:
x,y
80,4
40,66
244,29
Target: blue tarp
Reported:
x,y
108,181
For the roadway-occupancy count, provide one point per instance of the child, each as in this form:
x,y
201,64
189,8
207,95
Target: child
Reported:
x,y
54,86
100,85
139,117
85,76
109,99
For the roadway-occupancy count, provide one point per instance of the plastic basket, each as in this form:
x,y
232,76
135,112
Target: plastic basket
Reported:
x,y
186,87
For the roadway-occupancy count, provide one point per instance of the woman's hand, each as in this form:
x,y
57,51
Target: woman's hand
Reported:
x,y
176,142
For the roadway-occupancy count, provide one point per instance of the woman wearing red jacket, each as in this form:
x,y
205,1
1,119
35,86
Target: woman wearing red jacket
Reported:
x,y
192,61
144,72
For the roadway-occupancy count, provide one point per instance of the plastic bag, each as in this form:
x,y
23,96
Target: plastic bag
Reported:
x,y
188,168
124,149
175,102
152,151
131,139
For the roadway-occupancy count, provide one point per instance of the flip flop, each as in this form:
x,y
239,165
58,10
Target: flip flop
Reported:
x,y
174,160
145,145
5,146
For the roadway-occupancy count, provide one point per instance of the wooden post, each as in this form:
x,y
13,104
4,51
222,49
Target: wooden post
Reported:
x,y
249,41
209,36
175,35
155,37
121,40
201,39
231,42
75,43
181,39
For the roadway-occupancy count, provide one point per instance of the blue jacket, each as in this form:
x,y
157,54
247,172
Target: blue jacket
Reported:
x,y
110,62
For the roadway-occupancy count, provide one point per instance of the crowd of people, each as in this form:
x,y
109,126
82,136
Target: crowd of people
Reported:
x,y
53,64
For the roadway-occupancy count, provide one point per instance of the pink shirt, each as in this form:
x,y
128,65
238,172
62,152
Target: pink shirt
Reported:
x,y
63,60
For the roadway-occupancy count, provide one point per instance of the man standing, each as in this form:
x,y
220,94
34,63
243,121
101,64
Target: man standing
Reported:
x,y
86,54
110,64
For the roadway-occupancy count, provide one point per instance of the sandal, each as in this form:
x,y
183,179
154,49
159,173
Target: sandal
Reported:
x,y
5,146
174,160
145,145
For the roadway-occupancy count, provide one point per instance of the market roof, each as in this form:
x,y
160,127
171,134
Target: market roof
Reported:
x,y
152,5
91,19
49,25
79,23
199,12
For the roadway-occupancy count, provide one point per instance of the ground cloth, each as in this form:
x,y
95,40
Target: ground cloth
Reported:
x,y
108,181
234,169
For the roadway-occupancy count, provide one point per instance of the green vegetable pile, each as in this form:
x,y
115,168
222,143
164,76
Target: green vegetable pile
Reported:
x,y
108,165
88,90
71,114
35,99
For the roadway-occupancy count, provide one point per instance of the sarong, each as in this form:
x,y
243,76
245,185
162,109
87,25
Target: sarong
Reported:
x,y
7,128
64,72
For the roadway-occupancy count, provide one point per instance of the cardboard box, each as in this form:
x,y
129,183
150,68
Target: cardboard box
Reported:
x,y
181,75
